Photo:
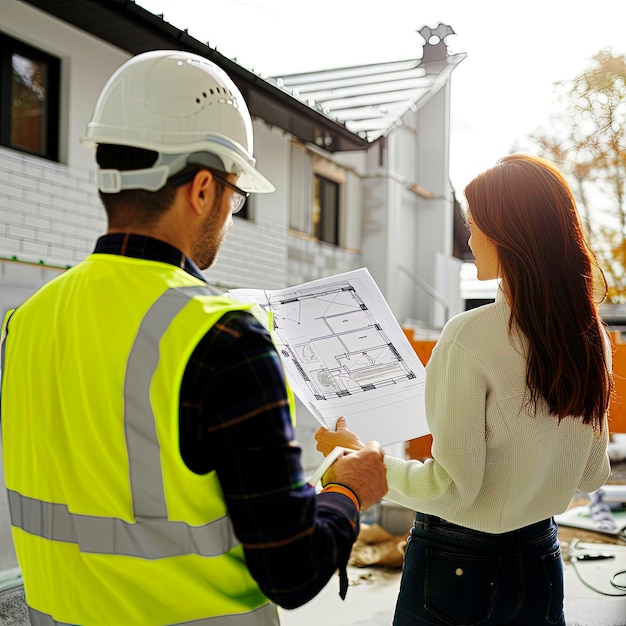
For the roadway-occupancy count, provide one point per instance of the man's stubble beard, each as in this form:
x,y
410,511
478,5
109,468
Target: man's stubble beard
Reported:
x,y
212,232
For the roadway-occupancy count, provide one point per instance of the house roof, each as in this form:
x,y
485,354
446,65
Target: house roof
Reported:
x,y
370,100
130,27
340,109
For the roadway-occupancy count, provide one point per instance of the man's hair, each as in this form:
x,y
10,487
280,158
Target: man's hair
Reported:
x,y
132,206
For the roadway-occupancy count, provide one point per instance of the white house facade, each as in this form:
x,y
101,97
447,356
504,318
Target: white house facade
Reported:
x,y
391,202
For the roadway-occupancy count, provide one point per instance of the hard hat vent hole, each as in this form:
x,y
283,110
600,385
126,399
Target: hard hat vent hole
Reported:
x,y
204,94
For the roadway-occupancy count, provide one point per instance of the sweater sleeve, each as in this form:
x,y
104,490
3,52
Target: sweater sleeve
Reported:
x,y
456,396
598,468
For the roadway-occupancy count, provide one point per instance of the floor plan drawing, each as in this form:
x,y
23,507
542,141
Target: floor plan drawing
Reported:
x,y
334,341
344,354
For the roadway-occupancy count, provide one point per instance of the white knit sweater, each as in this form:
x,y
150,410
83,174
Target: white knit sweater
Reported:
x,y
496,466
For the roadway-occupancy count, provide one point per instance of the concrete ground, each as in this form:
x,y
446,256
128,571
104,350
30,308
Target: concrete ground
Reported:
x,y
372,595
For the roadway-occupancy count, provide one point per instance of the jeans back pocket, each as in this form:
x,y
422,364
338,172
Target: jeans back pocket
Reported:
x,y
460,588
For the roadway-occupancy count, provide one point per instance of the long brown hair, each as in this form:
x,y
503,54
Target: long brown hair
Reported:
x,y
525,206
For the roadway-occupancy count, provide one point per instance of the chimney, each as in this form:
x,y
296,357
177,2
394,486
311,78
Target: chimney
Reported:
x,y
435,48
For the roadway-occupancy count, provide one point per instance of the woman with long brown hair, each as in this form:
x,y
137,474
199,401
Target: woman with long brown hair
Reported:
x,y
517,396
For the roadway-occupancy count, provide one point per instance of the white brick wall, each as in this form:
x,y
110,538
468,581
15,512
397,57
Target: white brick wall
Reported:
x,y
253,255
309,260
49,213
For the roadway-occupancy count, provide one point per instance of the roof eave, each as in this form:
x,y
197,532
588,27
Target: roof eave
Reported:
x,y
132,28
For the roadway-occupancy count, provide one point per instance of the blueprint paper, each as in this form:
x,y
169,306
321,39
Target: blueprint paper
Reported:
x,y
345,354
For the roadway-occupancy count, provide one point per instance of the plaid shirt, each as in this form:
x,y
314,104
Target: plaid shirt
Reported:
x,y
234,419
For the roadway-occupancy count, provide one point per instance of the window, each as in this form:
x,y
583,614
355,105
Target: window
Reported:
x,y
318,196
29,99
326,210
300,192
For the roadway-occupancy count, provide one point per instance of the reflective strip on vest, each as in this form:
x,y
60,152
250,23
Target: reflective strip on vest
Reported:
x,y
146,539
263,616
152,535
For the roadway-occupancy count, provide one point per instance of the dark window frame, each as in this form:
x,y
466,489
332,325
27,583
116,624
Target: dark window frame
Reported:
x,y
8,47
324,184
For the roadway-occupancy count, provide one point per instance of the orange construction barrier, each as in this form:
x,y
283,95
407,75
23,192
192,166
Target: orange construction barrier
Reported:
x,y
617,413
420,448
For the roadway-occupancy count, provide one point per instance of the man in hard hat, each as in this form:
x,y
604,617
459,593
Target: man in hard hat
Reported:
x,y
151,470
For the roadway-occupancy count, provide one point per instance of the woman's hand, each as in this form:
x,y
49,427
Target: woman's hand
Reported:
x,y
341,436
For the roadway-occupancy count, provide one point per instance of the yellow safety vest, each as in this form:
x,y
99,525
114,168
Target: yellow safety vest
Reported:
x,y
110,526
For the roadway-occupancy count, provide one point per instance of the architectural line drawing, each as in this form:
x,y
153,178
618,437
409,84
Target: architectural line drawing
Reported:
x,y
345,355
333,341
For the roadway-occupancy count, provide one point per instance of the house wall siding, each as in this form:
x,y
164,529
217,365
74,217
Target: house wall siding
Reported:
x,y
310,259
48,212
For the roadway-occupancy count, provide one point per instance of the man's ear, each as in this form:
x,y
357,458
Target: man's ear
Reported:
x,y
201,191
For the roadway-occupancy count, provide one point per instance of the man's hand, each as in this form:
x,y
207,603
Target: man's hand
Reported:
x,y
363,472
341,436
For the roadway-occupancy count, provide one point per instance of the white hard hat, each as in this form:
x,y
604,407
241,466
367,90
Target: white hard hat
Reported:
x,y
182,106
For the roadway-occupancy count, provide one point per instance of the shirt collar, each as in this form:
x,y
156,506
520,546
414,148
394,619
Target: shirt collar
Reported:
x,y
148,248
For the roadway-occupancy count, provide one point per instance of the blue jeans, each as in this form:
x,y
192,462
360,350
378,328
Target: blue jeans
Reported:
x,y
457,576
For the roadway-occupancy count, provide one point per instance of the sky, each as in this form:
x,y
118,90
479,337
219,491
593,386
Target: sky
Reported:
x,y
500,93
